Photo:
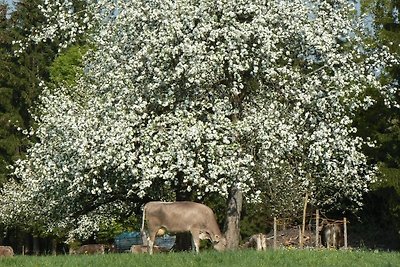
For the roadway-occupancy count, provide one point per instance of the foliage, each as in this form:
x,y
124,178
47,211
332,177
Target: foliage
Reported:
x,y
201,96
296,258
8,110
20,76
256,218
109,231
67,67
382,125
19,79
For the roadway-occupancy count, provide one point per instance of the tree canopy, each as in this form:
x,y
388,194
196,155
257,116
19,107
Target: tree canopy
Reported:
x,y
201,96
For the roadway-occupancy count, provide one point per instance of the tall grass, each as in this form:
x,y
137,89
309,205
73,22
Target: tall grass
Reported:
x,y
244,258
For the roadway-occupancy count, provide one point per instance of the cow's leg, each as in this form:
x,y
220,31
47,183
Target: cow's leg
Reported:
x,y
334,238
327,237
258,242
151,239
150,247
331,236
144,238
263,242
195,240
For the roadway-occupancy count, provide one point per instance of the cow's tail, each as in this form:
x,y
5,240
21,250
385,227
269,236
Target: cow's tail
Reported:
x,y
142,231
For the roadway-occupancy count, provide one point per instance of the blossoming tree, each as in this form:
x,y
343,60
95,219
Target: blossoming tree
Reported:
x,y
253,97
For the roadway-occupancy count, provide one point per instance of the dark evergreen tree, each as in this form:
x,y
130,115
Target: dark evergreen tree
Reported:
x,y
20,75
11,141
382,125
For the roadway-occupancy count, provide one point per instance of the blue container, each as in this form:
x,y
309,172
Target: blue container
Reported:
x,y
124,241
165,241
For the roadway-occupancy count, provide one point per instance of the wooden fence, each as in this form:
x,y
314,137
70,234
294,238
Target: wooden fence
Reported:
x,y
285,223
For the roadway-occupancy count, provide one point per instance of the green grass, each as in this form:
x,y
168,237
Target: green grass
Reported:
x,y
244,258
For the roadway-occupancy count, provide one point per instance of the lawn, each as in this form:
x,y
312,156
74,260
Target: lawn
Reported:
x,y
246,258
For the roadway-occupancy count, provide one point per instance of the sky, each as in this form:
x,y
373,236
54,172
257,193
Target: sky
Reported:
x,y
10,3
357,5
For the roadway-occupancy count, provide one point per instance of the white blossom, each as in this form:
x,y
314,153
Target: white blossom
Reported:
x,y
163,84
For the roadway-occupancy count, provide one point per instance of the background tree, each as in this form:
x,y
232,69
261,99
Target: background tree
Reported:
x,y
9,142
381,124
20,76
198,98
19,81
68,66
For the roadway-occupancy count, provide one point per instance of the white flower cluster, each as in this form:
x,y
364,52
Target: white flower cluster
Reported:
x,y
205,95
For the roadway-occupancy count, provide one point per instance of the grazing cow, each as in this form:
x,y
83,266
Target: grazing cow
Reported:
x,y
183,216
91,249
257,241
331,235
6,251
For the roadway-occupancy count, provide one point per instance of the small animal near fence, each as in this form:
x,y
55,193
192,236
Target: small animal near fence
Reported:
x,y
324,232
331,232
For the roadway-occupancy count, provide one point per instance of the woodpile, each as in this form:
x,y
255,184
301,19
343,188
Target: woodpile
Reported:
x,y
291,238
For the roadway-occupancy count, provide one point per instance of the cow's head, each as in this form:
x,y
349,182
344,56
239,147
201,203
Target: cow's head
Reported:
x,y
219,243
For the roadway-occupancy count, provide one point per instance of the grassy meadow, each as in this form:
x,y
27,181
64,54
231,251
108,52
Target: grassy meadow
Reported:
x,y
243,258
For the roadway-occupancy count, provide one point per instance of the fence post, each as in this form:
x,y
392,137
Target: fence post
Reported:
x,y
345,232
304,214
275,237
300,237
317,228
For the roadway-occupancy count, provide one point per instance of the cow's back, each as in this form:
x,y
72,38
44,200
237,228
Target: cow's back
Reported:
x,y
6,251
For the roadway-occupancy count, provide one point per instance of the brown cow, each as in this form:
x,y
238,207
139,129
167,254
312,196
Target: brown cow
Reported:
x,y
91,249
331,235
182,216
6,251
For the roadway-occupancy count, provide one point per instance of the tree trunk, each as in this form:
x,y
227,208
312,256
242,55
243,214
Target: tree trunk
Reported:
x,y
232,232
36,249
53,246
